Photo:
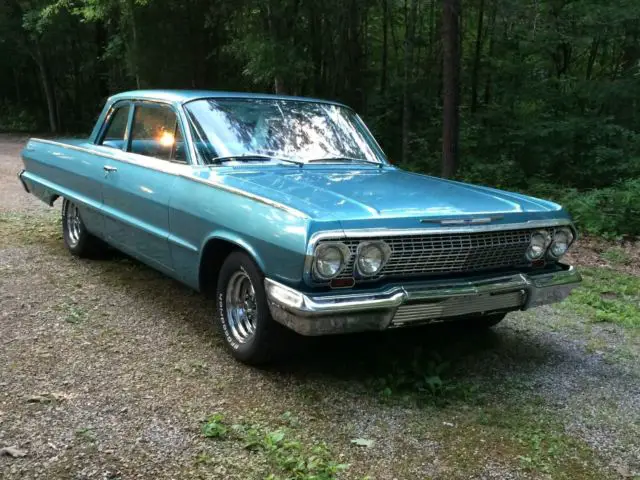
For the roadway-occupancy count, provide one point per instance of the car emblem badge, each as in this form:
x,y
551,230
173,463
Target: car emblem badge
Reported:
x,y
462,221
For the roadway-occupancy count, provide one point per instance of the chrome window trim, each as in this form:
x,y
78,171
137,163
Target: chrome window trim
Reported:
x,y
177,107
172,168
372,233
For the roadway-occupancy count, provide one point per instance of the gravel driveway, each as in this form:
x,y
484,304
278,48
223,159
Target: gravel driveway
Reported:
x,y
110,370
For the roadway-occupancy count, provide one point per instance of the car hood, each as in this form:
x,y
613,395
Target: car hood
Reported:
x,y
370,193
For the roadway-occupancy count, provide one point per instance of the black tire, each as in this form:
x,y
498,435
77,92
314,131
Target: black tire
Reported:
x,y
267,340
482,322
76,237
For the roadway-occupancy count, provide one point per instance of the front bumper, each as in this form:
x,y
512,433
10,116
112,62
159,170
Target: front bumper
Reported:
x,y
415,303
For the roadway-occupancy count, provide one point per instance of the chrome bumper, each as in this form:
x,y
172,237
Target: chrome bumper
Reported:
x,y
415,303
24,185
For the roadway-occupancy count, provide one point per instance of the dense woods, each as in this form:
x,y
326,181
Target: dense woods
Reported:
x,y
536,95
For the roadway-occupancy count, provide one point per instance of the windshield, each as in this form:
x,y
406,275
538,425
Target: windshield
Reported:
x,y
279,129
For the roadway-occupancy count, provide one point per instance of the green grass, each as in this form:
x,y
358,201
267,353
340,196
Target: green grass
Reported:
x,y
617,256
25,229
607,296
286,456
525,436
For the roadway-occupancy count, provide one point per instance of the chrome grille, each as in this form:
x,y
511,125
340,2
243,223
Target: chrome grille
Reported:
x,y
458,306
448,252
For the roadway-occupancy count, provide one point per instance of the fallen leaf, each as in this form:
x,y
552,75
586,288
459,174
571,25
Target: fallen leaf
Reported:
x,y
12,452
362,442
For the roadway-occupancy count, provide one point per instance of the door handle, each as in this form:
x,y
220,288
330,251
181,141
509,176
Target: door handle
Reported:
x,y
108,169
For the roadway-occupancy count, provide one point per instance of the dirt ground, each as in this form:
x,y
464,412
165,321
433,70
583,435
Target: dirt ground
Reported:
x,y
110,370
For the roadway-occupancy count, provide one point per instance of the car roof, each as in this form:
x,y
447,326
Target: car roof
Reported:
x,y
184,96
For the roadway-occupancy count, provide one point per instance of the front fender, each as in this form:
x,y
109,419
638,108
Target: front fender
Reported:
x,y
235,239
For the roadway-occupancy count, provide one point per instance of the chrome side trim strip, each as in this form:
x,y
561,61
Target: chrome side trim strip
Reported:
x,y
257,198
181,170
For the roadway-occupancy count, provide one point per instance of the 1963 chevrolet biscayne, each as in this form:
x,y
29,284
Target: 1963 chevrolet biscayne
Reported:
x,y
287,210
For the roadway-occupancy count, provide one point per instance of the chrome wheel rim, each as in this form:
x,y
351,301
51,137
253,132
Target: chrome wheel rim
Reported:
x,y
242,310
74,224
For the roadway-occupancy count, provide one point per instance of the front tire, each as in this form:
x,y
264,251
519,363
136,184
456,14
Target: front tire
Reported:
x,y
250,334
77,238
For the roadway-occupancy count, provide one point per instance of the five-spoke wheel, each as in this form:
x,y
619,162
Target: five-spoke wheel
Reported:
x,y
76,236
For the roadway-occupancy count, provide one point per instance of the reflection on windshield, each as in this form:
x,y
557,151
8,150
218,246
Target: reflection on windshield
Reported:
x,y
289,129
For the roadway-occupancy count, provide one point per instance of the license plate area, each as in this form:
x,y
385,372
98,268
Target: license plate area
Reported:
x,y
458,306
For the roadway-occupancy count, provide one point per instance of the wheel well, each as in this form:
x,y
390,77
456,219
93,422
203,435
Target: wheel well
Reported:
x,y
214,254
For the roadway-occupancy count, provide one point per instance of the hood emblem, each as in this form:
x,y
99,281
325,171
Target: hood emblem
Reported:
x,y
462,221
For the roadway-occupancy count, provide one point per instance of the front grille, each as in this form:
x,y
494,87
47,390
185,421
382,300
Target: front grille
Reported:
x,y
446,253
458,306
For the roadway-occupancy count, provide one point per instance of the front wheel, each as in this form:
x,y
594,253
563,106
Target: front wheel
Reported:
x,y
250,334
77,238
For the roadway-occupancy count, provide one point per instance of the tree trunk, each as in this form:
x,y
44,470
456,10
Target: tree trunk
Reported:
x,y
492,27
476,60
451,87
133,48
278,81
408,77
47,87
385,45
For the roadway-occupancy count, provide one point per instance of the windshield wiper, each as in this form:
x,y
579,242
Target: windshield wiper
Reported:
x,y
343,160
252,157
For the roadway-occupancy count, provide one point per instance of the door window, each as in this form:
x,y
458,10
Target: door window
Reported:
x,y
114,136
156,133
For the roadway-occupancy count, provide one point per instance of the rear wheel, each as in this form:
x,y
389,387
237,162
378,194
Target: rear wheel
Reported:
x,y
250,334
77,238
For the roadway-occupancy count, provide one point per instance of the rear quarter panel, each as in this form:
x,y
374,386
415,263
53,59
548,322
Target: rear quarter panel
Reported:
x,y
54,169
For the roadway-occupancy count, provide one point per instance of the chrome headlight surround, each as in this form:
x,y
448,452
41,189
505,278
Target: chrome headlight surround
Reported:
x,y
322,252
561,241
538,245
368,248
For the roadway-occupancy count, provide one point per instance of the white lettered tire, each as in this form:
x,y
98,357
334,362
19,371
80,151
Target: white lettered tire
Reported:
x,y
250,334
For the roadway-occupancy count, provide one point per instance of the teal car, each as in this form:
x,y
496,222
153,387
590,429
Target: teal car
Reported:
x,y
287,212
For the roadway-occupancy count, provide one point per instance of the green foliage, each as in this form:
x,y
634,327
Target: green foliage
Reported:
x,y
428,381
13,118
607,296
610,212
214,428
289,458
549,91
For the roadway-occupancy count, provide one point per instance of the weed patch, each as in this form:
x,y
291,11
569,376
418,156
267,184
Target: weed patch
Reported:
x,y
427,380
287,457
607,296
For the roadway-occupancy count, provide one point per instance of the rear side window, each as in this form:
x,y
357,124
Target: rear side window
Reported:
x,y
114,136
156,133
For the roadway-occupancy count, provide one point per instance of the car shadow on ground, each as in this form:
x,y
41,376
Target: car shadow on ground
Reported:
x,y
400,360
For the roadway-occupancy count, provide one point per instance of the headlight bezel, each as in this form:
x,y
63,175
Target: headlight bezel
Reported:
x,y
546,241
319,249
384,249
570,239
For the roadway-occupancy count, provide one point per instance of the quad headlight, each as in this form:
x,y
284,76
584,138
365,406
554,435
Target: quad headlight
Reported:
x,y
371,257
330,259
562,239
538,245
